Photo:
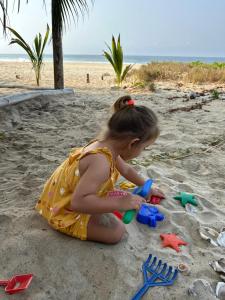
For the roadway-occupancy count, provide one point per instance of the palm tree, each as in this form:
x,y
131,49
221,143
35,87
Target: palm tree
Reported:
x,y
62,11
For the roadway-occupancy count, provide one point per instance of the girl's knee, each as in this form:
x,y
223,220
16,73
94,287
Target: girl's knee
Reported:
x,y
109,233
117,233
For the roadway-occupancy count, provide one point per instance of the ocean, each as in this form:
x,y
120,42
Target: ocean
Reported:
x,y
134,59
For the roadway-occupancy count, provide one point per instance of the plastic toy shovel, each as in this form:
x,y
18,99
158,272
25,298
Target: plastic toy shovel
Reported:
x,y
17,283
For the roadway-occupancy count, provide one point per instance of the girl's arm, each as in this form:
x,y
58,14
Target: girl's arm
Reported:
x,y
129,172
85,199
132,175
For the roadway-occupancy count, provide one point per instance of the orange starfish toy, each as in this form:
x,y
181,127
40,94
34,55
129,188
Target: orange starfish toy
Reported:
x,y
172,241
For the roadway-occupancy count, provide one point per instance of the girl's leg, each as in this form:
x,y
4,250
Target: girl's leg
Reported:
x,y
99,232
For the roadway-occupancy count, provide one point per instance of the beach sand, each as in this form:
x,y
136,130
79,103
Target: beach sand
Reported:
x,y
37,135
75,75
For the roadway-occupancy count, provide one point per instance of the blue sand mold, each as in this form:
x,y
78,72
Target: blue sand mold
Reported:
x,y
149,215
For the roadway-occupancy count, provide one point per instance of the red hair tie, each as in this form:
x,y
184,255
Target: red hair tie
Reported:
x,y
130,102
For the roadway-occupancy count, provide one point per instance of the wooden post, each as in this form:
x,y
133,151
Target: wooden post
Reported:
x,y
88,78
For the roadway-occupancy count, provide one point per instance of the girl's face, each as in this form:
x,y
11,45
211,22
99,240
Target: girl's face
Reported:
x,y
135,148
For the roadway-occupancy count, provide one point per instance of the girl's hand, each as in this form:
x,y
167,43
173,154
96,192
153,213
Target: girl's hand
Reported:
x,y
130,202
155,192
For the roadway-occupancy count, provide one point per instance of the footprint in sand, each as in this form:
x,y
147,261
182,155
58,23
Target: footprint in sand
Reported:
x,y
217,197
153,173
184,188
217,185
5,220
104,274
207,217
189,225
177,177
209,203
201,290
22,168
204,171
168,136
190,165
5,223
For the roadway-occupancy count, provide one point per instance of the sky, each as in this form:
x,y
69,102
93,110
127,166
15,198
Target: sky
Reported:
x,y
147,27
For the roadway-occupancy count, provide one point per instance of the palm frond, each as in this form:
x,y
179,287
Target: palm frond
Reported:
x,y
35,55
119,55
125,71
36,47
4,8
115,57
109,48
64,10
3,19
109,58
21,42
26,48
18,4
45,39
17,35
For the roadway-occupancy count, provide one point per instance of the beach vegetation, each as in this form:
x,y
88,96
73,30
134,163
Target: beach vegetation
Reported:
x,y
215,94
62,12
215,65
195,72
138,84
115,57
151,86
35,53
197,63
2,135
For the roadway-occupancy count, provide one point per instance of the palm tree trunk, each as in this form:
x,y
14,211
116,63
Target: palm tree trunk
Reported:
x,y
57,54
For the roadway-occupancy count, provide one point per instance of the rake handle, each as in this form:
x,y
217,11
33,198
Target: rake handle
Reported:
x,y
140,293
150,283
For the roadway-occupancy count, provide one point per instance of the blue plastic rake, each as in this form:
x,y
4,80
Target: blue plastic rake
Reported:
x,y
155,274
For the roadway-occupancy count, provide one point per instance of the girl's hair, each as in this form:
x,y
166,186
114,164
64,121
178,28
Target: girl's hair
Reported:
x,y
132,121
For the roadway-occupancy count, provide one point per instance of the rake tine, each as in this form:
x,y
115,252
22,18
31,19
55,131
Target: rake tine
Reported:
x,y
153,263
164,269
168,273
154,269
145,267
174,275
145,274
148,260
161,274
170,276
158,266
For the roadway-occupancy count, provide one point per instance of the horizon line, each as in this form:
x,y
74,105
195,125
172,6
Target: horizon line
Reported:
x,y
140,55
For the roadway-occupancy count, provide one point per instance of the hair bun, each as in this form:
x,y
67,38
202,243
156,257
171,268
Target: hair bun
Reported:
x,y
123,102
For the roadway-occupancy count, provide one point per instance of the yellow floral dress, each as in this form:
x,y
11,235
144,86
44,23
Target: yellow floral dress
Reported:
x,y
56,196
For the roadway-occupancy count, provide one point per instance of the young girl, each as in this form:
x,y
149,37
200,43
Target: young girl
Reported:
x,y
76,195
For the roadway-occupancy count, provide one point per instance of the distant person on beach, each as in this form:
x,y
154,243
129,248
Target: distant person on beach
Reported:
x,y
76,195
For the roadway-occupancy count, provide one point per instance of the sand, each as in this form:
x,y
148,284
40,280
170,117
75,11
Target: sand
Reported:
x,y
37,135
75,75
